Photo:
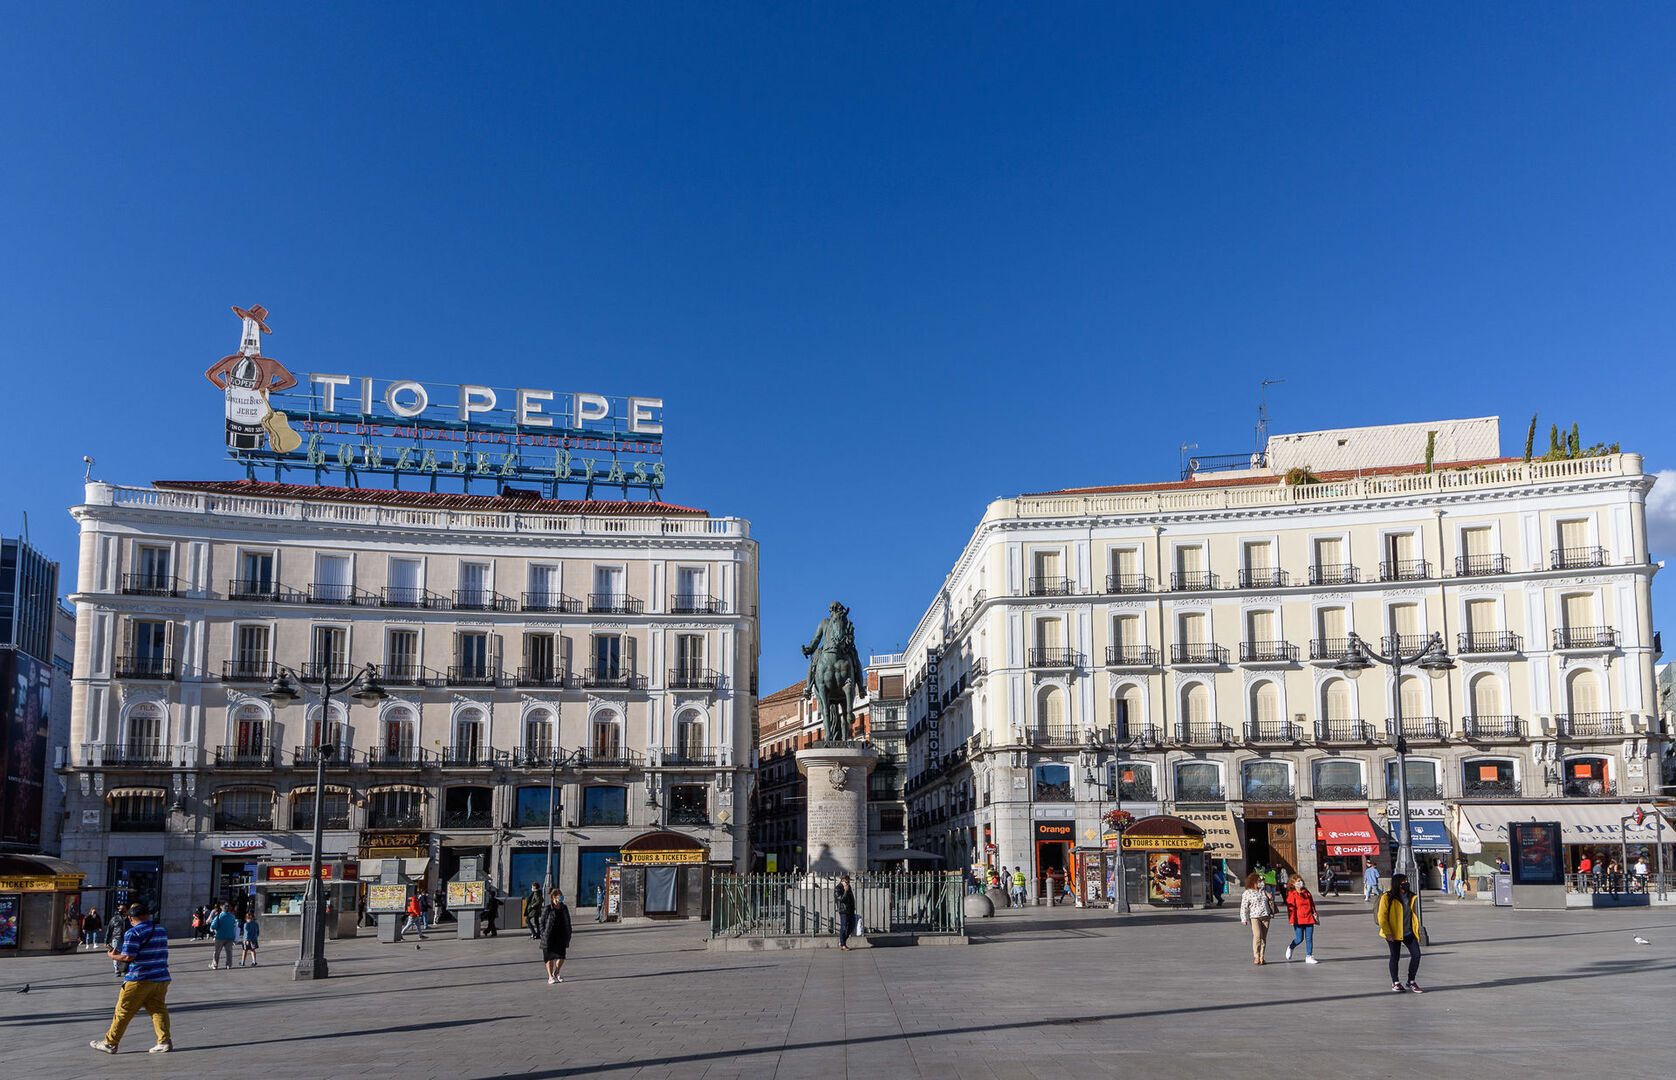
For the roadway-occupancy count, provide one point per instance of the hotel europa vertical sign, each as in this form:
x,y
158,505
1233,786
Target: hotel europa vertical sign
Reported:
x,y
933,705
349,424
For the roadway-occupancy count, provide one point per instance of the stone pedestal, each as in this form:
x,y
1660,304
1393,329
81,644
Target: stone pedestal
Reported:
x,y
836,836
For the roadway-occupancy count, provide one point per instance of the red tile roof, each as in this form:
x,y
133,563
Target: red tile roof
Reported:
x,y
1219,480
430,500
790,693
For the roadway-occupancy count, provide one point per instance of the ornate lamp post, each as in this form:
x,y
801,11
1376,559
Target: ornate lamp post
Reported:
x,y
561,759
1434,661
311,954
1119,820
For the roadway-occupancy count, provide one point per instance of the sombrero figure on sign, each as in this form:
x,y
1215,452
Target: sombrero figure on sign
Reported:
x,y
247,378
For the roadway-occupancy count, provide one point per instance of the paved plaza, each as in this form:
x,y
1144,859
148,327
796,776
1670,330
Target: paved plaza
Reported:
x,y
1039,994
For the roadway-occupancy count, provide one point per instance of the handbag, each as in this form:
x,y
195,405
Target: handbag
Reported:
x,y
122,966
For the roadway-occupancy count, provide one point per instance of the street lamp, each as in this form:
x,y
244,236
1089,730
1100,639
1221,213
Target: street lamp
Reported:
x,y
1120,892
560,758
1434,661
311,954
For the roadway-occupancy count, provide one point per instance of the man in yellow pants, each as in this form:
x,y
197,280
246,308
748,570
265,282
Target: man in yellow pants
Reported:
x,y
145,949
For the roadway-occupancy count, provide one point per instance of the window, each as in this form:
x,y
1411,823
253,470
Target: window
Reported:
x,y
256,574
468,808
1128,635
395,808
143,738
1585,777
146,651
1047,574
689,738
1574,535
1259,559
1195,707
250,651
689,657
1339,778
605,805
1583,693
471,654
401,652
543,588
1422,779
608,588
608,657
1486,696
1129,713
468,737
1481,777
1477,543
332,580
692,593
250,733
689,804
1332,632
1411,698
541,659
1267,782
1125,569
244,809
334,810
396,734
474,586
404,586
1134,781
1050,712
606,738
333,734
328,653
531,808
1053,783
538,734
1329,554
1265,706
1194,628
1578,611
138,812
1261,628
1198,781
1481,616
152,568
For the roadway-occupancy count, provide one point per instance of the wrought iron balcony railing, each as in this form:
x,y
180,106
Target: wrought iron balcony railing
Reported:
x,y
1128,583
1588,787
1268,652
395,819
248,670
1269,793
330,670
696,604
148,584
1406,644
1405,570
1429,790
1340,792
1587,725
474,675
1577,558
399,756
406,674
307,756
245,757
689,816
545,675
693,678
1329,648
262,591
1193,581
230,822
1489,641
1140,733
1203,734
137,755
1481,789
1334,574
1428,728
1051,586
683,756
482,600
610,679
467,819
1054,735
552,602
1273,732
468,757
1585,637
1198,652
335,593
144,667
411,596
1200,793
1263,578
1345,731
1480,565
1493,727
1131,656
614,604
1055,658
1137,791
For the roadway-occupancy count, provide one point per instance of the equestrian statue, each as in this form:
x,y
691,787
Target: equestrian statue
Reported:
x,y
835,674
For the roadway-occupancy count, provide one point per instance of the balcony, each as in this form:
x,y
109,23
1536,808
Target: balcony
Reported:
x,y
1584,638
1578,558
1050,586
1478,789
1592,725
1263,578
1203,734
400,756
468,757
405,674
611,679
1332,649
1131,656
336,671
689,756
335,593
533,757
1140,734
248,671
1334,574
1198,653
1199,793
694,604
1194,581
1128,583
144,667
473,675
1481,565
138,755
692,678
260,591
1341,792
1054,735
1344,731
1405,644
395,819
1405,570
146,584
410,596
614,604
1588,787
1273,733
1488,641
544,675
1269,793
482,600
307,756
553,603
245,757
472,819
1268,652
1492,728
1416,728
1054,658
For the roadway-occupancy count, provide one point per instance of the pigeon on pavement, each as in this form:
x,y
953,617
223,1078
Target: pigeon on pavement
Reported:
x,y
1639,940
25,989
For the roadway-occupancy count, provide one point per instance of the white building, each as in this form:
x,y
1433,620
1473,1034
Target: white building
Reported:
x,y
1178,642
506,631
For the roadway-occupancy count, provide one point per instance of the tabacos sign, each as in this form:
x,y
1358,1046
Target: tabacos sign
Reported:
x,y
349,424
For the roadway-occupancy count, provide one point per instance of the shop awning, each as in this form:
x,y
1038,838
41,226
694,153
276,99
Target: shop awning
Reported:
x,y
331,789
1223,839
1580,823
372,869
1429,835
1346,832
412,788
141,792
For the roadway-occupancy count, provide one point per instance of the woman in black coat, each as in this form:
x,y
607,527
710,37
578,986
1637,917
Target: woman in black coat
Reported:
x,y
555,935
846,912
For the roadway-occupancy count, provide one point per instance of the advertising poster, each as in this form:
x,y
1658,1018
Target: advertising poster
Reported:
x,y
8,922
387,899
1537,855
465,894
1163,877
25,708
613,890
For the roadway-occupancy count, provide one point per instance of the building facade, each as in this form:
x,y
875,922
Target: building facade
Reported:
x,y
1176,645
33,696
608,649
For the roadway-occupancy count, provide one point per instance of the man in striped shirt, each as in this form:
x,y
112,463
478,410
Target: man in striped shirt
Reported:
x,y
145,949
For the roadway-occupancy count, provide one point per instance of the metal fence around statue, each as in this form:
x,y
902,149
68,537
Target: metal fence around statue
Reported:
x,y
925,903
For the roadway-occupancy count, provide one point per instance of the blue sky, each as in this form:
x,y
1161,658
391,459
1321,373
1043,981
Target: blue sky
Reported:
x,y
913,256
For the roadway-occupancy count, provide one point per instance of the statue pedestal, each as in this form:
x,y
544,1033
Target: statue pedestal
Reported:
x,y
836,837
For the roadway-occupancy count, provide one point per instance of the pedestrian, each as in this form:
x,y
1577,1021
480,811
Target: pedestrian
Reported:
x,y
1256,909
555,935
1461,877
252,938
424,911
1641,872
223,926
415,918
532,911
1218,883
198,922
114,930
599,902
142,959
361,916
1399,925
1614,876
1300,911
1370,883
1019,882
1501,866
1585,869
491,911
92,928
845,898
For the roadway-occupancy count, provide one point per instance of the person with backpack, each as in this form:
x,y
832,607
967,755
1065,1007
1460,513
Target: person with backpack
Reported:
x,y
1399,925
1256,909
1300,910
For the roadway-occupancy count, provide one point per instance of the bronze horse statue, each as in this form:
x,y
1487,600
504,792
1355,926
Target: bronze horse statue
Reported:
x,y
835,674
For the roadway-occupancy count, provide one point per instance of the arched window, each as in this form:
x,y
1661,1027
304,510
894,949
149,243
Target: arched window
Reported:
x,y
1050,711
1338,705
1582,691
1486,698
538,734
1412,697
689,737
143,732
1586,776
1195,710
397,735
250,734
1129,713
470,747
333,735
605,741
1267,782
1339,778
1265,706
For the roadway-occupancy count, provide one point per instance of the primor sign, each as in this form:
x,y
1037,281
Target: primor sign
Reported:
x,y
354,424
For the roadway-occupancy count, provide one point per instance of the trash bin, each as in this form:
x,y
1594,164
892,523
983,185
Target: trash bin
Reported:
x,y
1504,889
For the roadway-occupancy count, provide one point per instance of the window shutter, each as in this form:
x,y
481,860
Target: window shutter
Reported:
x,y
1333,624
629,665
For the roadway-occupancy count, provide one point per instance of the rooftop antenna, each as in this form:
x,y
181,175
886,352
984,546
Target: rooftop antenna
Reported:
x,y
1263,416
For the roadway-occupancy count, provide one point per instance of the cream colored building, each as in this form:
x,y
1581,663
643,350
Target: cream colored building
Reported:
x,y
506,631
1180,639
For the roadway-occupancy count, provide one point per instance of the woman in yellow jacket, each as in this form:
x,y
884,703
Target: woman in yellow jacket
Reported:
x,y
1399,925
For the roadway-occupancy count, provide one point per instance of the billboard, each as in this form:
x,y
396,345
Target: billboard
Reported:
x,y
26,688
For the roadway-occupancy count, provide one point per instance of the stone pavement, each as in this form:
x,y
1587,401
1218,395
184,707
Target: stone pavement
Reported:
x,y
1040,993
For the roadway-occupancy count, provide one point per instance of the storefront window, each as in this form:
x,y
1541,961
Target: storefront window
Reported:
x,y
1422,780
1134,781
1337,779
605,806
1585,777
532,807
1198,781
1482,777
468,808
689,804
1053,783
134,879
1267,781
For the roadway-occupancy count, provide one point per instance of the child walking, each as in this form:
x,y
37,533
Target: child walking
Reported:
x,y
252,939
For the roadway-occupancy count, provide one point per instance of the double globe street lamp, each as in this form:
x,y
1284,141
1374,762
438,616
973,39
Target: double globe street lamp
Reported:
x,y
311,954
1434,660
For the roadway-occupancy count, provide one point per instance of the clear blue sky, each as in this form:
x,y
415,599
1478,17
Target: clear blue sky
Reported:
x,y
918,255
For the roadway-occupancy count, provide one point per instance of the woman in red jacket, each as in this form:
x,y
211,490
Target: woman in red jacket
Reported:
x,y
1300,908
